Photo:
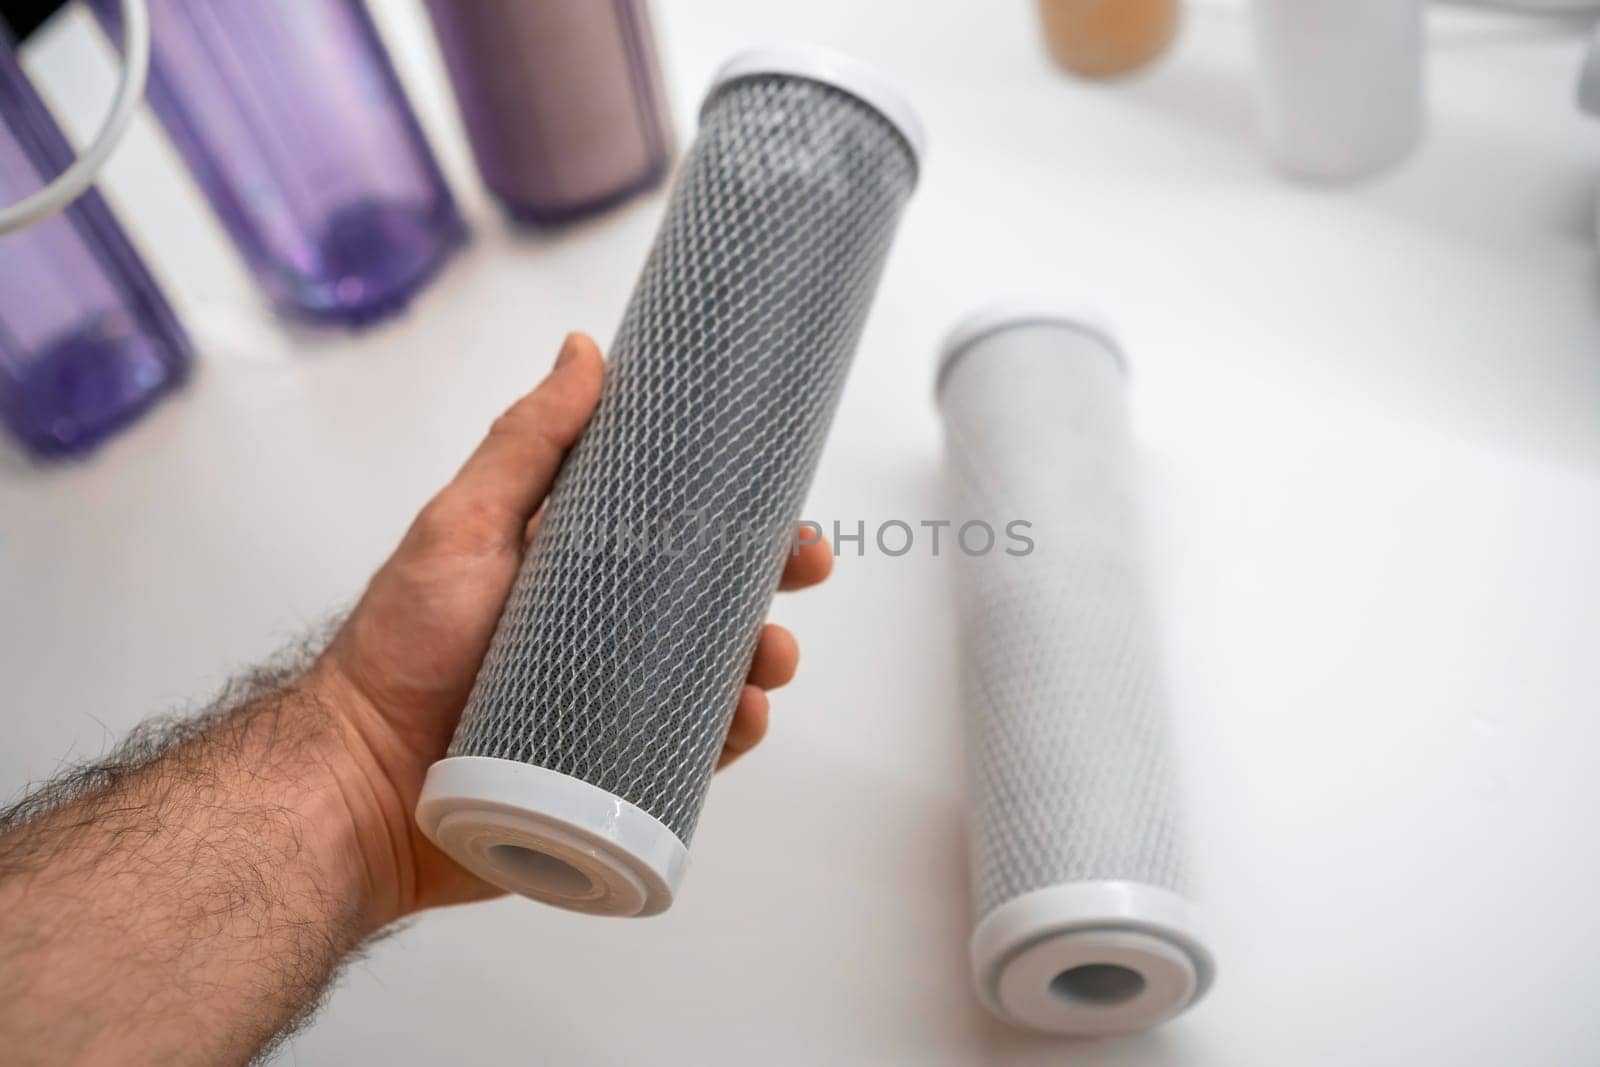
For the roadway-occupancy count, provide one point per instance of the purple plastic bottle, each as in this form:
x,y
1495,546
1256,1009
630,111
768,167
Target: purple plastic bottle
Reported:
x,y
292,119
87,341
562,100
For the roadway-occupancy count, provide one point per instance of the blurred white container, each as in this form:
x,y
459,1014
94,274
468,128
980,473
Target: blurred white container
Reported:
x,y
1535,7
1341,83
1589,95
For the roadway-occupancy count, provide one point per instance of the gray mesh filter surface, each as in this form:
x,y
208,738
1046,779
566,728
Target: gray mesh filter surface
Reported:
x,y
623,648
1071,773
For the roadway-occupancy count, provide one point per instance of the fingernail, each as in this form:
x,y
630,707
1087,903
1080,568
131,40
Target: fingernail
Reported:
x,y
569,351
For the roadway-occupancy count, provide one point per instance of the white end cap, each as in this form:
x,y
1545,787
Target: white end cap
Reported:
x,y
1091,958
551,837
845,73
1013,314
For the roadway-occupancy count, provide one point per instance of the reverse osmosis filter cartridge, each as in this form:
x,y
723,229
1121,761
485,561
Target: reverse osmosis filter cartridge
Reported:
x,y
1083,923
583,757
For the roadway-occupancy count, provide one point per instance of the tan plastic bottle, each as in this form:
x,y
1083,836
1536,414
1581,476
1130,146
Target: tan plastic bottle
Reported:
x,y
1104,38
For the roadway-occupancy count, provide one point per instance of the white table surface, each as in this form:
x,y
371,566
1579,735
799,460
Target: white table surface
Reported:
x,y
1370,421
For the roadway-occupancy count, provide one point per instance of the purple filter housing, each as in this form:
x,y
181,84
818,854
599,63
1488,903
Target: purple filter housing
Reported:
x,y
562,99
292,119
86,340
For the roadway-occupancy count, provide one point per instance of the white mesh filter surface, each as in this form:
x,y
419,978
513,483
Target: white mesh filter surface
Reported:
x,y
1071,773
624,645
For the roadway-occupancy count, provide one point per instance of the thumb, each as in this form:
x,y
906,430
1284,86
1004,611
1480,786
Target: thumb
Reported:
x,y
511,471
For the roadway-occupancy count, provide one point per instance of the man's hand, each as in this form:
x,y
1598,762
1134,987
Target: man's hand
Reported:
x,y
400,669
187,899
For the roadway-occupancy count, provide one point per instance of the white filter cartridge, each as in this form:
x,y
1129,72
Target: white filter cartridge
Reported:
x,y
1082,920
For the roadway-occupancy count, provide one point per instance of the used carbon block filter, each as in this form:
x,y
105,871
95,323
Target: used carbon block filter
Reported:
x,y
582,760
1082,921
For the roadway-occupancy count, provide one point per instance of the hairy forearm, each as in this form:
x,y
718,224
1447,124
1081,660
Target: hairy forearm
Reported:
x,y
188,899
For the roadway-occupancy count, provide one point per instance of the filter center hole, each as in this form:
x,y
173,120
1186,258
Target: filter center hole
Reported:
x,y
1100,985
554,876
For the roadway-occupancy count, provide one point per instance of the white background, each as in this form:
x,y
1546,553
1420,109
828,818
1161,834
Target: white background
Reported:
x,y
1370,419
